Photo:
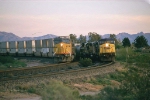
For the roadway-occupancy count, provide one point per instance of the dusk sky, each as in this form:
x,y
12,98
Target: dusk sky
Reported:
x,y
32,18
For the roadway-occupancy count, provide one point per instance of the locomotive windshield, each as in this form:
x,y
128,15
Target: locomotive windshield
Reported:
x,y
102,41
59,40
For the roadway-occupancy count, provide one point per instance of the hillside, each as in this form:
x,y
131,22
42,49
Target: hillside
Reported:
x,y
5,36
131,37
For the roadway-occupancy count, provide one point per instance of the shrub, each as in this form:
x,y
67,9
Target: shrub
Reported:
x,y
6,59
85,62
135,86
100,81
52,90
56,90
9,62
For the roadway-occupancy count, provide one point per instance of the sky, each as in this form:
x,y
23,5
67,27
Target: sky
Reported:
x,y
32,18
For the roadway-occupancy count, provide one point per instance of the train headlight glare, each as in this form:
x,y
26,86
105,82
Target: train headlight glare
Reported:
x,y
61,44
106,44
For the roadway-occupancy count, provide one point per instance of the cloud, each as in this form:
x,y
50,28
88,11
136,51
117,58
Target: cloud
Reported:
x,y
76,24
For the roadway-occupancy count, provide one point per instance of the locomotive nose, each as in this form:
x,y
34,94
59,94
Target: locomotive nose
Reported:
x,y
61,44
107,45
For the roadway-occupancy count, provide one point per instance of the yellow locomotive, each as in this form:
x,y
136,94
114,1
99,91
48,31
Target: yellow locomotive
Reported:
x,y
63,49
107,50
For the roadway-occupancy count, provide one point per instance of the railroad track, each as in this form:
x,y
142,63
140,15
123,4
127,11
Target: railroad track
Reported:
x,y
63,75
47,70
37,70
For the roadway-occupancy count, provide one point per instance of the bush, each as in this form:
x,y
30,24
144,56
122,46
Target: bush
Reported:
x,y
85,62
52,90
55,90
134,86
9,62
6,59
100,81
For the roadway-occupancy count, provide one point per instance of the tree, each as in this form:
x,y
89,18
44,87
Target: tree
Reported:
x,y
93,36
113,36
117,42
82,39
140,41
73,37
126,42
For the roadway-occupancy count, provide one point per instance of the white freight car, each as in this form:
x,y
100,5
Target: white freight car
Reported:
x,y
45,49
13,47
38,48
30,47
51,47
4,48
21,47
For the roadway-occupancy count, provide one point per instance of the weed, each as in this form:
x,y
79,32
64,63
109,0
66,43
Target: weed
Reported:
x,y
7,62
85,62
52,90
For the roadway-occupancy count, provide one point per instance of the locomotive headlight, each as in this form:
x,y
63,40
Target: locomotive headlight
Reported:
x,y
61,44
106,44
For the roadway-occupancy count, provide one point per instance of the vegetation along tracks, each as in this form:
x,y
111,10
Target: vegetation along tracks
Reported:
x,y
46,70
71,74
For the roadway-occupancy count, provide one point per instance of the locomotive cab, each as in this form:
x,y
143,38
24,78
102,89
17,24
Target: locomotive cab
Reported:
x,y
63,49
107,49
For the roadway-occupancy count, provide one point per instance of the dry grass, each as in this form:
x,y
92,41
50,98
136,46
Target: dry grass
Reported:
x,y
88,87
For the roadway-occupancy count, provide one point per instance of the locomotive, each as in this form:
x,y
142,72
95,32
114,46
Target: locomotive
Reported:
x,y
89,50
107,49
63,49
102,50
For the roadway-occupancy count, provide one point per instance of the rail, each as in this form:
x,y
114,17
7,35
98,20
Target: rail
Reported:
x,y
49,70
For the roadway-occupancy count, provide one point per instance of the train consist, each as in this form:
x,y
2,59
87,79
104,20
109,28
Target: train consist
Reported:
x,y
61,48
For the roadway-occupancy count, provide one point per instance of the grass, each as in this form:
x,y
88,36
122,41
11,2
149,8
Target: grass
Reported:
x,y
100,81
134,81
139,58
52,90
8,62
